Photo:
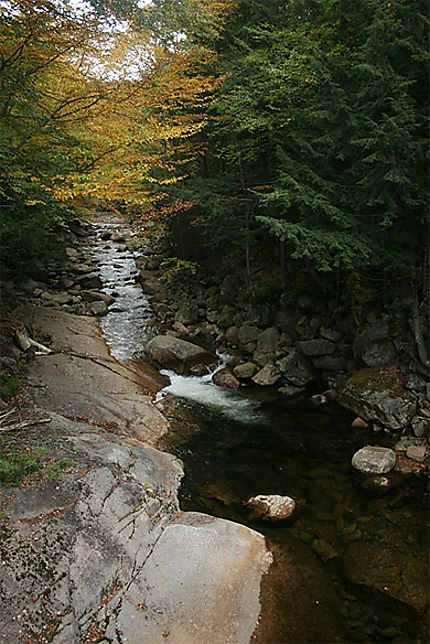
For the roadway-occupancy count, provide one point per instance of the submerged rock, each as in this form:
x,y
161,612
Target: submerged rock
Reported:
x,y
374,460
271,507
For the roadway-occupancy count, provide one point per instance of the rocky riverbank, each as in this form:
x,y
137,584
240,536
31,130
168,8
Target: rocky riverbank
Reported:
x,y
94,544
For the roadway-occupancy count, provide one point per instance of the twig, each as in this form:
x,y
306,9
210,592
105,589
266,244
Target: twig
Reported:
x,y
6,414
26,423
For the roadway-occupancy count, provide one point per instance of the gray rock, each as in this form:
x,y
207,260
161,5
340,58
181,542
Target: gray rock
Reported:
x,y
317,347
330,334
179,355
374,460
245,370
61,298
296,369
271,507
98,308
375,329
267,376
392,410
330,363
268,340
71,253
421,426
232,335
188,312
248,334
414,382
379,353
91,281
95,296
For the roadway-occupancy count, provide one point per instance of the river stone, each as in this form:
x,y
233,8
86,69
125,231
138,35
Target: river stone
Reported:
x,y
290,391
268,340
176,354
248,334
382,407
417,453
95,296
271,507
90,281
317,347
98,308
330,363
374,460
375,330
245,370
232,335
225,378
267,376
296,369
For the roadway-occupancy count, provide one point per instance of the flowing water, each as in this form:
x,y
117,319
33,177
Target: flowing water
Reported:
x,y
351,564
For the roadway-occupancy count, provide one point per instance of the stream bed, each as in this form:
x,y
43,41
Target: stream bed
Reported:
x,y
351,565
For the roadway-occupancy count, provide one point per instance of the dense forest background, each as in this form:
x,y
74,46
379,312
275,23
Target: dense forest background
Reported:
x,y
276,143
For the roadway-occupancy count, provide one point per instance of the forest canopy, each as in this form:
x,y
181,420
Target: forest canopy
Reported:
x,y
293,130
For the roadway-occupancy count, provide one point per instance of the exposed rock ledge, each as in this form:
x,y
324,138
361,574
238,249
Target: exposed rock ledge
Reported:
x,y
104,552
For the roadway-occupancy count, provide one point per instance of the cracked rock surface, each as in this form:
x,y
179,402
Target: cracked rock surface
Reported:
x,y
102,552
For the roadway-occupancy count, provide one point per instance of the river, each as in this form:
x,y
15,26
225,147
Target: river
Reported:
x,y
351,564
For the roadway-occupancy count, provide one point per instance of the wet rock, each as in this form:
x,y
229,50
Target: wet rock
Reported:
x,y
296,369
271,507
96,296
91,281
380,484
226,378
232,336
374,459
267,376
98,308
317,347
394,572
181,356
245,370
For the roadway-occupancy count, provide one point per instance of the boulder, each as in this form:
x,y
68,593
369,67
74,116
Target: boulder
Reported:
x,y
245,370
296,369
226,378
98,308
90,281
330,363
248,334
379,353
179,355
374,460
96,296
317,347
268,340
330,334
267,376
103,549
375,330
232,335
271,507
376,395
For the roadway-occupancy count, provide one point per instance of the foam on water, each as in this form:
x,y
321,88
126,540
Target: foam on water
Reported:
x,y
200,389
